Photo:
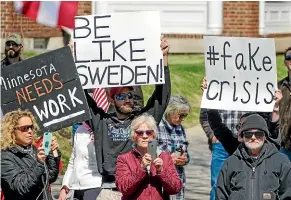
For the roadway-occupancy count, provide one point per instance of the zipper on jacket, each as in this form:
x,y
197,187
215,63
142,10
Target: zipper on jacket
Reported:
x,y
252,178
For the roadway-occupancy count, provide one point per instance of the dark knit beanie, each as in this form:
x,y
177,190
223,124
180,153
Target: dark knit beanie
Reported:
x,y
255,121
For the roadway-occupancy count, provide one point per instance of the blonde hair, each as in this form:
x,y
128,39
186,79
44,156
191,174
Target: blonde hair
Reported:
x,y
144,119
8,124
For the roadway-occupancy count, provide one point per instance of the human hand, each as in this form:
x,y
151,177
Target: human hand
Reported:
x,y
204,84
63,194
41,154
146,160
165,50
54,144
277,97
158,163
214,140
181,160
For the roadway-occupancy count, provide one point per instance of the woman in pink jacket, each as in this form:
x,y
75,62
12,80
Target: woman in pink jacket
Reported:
x,y
140,177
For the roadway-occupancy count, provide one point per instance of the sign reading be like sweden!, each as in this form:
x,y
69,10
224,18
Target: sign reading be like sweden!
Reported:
x,y
241,73
48,85
118,49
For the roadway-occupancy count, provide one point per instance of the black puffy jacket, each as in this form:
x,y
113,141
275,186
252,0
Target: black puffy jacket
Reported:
x,y
245,178
23,177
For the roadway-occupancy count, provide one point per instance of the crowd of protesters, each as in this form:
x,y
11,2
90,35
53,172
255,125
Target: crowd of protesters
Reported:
x,y
110,155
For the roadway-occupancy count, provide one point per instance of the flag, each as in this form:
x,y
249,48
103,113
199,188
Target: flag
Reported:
x,y
49,13
100,97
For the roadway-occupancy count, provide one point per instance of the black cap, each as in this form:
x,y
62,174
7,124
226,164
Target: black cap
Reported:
x,y
255,121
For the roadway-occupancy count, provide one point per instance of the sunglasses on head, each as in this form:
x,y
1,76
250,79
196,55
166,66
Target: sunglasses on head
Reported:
x,y
288,57
13,44
257,134
123,96
24,128
182,116
140,133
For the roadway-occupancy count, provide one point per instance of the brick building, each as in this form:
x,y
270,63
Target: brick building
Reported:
x,y
183,22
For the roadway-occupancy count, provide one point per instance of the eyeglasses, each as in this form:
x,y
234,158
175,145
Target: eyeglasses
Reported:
x,y
13,44
288,57
123,96
257,134
182,116
25,128
140,133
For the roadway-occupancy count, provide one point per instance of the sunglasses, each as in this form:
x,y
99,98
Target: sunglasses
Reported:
x,y
183,116
25,128
288,57
140,133
13,44
123,96
257,134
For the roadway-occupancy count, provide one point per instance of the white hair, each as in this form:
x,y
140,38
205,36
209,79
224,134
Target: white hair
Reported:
x,y
177,104
144,119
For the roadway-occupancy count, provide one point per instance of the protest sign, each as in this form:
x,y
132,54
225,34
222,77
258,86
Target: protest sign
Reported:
x,y
118,49
48,85
241,73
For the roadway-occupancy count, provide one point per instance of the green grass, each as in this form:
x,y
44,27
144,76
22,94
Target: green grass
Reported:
x,y
187,72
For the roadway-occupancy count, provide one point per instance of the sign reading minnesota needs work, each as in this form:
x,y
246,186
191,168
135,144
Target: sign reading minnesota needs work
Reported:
x,y
241,73
48,85
118,49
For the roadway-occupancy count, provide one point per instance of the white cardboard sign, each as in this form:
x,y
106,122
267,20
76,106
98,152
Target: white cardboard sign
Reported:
x,y
241,73
118,49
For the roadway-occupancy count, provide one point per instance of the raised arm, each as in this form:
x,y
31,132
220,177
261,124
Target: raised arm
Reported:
x,y
221,132
159,100
205,124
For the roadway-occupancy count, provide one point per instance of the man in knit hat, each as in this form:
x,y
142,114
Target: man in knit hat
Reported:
x,y
256,170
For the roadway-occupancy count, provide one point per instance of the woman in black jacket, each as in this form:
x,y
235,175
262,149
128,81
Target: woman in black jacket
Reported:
x,y
26,172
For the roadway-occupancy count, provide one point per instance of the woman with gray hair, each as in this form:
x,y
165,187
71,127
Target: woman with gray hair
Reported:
x,y
141,176
172,137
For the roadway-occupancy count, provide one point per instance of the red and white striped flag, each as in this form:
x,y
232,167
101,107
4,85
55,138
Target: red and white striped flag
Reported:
x,y
100,97
49,13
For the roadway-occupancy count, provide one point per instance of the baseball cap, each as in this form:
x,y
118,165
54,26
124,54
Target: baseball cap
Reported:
x,y
14,37
116,90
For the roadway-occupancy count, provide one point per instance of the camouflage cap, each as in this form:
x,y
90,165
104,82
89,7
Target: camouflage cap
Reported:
x,y
14,37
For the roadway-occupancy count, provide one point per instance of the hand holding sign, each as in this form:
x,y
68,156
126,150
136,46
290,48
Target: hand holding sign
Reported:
x,y
48,85
119,49
165,49
241,74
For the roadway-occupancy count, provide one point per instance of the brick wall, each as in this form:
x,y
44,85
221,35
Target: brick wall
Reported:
x,y
241,18
12,22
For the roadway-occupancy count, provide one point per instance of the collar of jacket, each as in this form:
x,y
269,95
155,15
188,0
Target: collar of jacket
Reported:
x,y
5,62
169,127
136,153
18,149
113,116
268,150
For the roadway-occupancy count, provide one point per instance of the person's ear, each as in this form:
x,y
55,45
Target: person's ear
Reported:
x,y
285,63
111,101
